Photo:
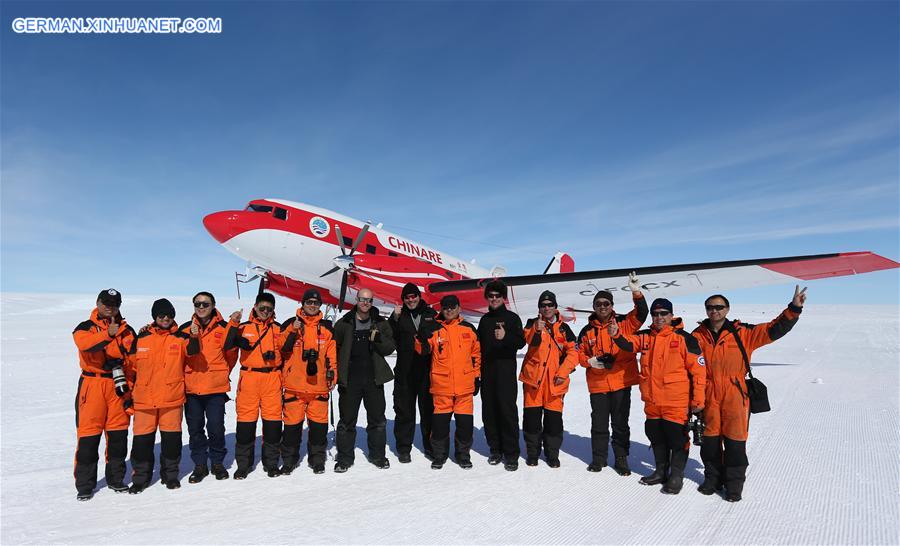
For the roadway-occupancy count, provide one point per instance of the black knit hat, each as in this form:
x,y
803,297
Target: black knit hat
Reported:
x,y
408,289
448,302
603,294
661,303
495,286
311,294
547,295
111,297
162,307
266,296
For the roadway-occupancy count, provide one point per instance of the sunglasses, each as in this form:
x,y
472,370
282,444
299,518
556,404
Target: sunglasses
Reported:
x,y
494,296
547,305
312,302
265,309
110,305
363,300
660,313
411,297
201,304
164,315
602,304
449,307
715,307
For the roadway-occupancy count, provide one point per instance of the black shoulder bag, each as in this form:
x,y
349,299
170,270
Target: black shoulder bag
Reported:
x,y
756,389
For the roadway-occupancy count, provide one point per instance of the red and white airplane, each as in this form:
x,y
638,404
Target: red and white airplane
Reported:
x,y
295,246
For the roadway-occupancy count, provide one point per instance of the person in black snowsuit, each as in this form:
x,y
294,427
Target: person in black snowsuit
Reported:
x,y
411,381
501,336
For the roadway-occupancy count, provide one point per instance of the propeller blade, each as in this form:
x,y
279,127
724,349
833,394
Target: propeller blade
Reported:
x,y
335,268
343,292
340,238
359,238
262,284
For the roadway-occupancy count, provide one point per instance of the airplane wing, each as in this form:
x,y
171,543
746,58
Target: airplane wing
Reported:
x,y
574,291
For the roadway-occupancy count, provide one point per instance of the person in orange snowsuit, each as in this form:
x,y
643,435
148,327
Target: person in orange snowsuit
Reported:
x,y
310,374
455,380
611,372
157,364
207,380
549,360
103,342
672,381
727,412
259,388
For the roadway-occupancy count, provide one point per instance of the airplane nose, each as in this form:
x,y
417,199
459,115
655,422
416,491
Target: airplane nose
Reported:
x,y
223,225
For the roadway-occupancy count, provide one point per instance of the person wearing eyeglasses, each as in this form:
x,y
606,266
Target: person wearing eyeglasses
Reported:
x,y
501,336
411,372
310,373
455,378
727,411
158,360
259,388
103,342
550,359
672,382
364,338
207,382
611,372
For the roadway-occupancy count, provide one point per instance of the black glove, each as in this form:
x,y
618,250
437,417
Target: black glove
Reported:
x,y
477,386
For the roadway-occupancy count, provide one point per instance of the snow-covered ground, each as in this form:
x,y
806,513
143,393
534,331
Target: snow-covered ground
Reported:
x,y
823,464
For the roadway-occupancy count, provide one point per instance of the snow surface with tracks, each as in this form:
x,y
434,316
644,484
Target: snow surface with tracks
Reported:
x,y
823,464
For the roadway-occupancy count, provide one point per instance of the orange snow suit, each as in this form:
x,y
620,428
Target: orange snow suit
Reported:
x,y
306,395
455,365
209,371
550,354
727,411
97,406
594,340
158,368
259,387
672,371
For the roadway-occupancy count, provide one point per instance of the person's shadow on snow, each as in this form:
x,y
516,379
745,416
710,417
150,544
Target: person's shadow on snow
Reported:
x,y
640,456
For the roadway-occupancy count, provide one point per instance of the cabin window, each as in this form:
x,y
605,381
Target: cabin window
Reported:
x,y
392,253
348,242
259,208
370,249
280,213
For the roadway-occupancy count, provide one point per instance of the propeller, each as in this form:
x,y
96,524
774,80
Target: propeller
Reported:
x,y
345,260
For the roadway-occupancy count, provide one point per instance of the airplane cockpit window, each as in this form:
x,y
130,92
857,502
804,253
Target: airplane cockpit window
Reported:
x,y
370,249
259,208
280,213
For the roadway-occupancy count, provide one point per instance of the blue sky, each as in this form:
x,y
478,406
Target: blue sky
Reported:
x,y
626,134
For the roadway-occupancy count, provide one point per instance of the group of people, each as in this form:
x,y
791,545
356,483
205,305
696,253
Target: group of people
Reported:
x,y
164,373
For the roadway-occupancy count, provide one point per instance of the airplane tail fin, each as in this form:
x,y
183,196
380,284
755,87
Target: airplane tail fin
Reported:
x,y
561,263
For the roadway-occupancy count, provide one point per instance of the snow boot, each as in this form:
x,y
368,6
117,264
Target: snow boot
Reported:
x,y
218,470
621,466
676,472
200,471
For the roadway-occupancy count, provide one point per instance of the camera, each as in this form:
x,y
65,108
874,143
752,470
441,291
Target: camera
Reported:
x,y
329,376
268,355
607,360
119,380
697,426
311,356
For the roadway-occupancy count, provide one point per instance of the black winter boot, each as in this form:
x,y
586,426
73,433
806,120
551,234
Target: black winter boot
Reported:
x,y
270,447
316,446
676,472
657,437
711,455
735,469
621,466
532,428
200,471
170,458
244,448
290,447
142,462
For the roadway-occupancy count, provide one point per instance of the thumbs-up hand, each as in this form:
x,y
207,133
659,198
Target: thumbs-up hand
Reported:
x,y
613,328
499,331
113,328
195,328
236,316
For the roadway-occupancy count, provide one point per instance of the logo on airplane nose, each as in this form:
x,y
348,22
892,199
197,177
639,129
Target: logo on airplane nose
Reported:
x,y
319,226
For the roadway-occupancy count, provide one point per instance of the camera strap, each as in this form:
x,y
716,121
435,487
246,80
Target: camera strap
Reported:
x,y
260,338
737,338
